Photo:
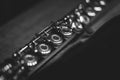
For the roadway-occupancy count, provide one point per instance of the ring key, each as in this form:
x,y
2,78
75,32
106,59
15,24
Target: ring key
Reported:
x,y
43,46
66,31
56,39
29,60
44,49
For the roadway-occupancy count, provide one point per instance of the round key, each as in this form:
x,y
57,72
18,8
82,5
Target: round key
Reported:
x,y
56,39
66,31
44,49
30,60
84,19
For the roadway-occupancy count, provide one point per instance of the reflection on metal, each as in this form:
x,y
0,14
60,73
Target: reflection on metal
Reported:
x,y
21,50
102,2
66,31
90,12
77,13
56,39
44,48
87,1
30,60
97,8
77,26
84,19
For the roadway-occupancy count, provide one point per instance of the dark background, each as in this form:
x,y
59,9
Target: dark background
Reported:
x,y
11,8
20,19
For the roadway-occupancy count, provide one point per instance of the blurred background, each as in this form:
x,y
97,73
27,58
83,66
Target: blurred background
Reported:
x,y
21,19
11,8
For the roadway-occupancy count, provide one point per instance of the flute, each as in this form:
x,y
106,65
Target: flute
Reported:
x,y
50,44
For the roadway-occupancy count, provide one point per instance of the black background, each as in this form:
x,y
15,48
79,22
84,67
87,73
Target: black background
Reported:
x,y
11,8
